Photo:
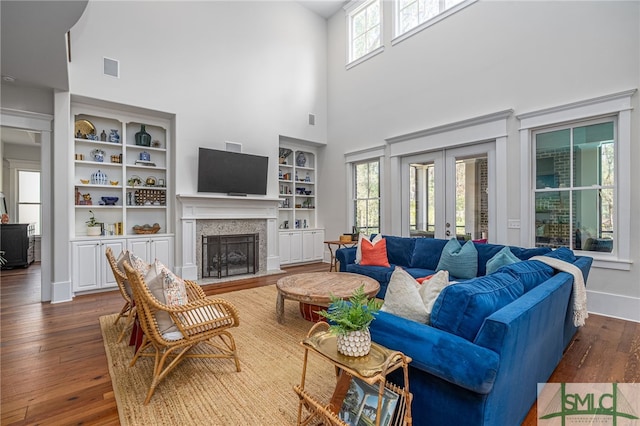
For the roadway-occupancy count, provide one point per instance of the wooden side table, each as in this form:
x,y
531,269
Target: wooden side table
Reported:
x,y
371,369
340,244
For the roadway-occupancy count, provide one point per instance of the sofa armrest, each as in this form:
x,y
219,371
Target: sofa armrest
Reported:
x,y
346,256
438,353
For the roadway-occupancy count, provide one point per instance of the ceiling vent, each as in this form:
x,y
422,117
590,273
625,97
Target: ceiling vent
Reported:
x,y
233,146
111,67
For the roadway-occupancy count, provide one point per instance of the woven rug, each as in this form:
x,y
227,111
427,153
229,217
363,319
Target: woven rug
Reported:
x,y
211,392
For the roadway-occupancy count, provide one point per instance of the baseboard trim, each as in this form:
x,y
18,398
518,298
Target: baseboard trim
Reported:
x,y
61,292
614,305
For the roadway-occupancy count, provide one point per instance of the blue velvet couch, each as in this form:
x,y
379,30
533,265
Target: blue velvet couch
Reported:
x,y
491,339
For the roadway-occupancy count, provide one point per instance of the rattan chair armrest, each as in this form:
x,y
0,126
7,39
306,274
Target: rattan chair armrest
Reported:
x,y
204,314
194,291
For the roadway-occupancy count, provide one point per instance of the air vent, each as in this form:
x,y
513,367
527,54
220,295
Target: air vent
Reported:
x,y
111,67
312,119
233,146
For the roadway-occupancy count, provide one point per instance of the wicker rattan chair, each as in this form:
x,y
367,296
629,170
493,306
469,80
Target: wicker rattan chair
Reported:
x,y
201,320
128,310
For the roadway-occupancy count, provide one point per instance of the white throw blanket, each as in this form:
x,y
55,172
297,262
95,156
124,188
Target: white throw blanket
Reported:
x,y
579,294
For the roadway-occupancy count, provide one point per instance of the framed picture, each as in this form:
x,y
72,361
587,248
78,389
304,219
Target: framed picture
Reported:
x,y
360,404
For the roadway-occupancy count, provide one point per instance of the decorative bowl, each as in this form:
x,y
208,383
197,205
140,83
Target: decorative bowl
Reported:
x,y
84,181
110,201
113,182
307,192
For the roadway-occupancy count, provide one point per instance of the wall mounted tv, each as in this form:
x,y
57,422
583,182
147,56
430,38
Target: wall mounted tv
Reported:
x,y
232,173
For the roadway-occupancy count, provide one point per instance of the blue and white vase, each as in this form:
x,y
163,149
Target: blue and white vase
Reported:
x,y
114,136
99,178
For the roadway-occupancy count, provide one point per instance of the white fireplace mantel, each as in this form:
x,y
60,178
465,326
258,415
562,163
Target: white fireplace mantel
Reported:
x,y
192,207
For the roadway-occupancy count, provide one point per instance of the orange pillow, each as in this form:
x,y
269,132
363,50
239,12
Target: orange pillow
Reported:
x,y
374,255
423,279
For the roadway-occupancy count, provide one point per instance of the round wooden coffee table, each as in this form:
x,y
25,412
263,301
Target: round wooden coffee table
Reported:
x,y
317,287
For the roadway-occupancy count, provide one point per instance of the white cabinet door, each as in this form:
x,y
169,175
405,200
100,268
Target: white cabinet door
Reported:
x,y
313,245
284,245
140,247
290,247
161,248
117,246
86,265
296,247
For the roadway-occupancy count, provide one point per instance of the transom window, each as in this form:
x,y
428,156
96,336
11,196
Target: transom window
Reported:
x,y
575,178
366,184
365,29
414,15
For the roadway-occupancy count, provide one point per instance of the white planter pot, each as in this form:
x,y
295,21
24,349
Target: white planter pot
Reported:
x,y
354,343
94,231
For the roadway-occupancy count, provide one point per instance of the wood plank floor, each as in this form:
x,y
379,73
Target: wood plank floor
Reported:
x,y
53,367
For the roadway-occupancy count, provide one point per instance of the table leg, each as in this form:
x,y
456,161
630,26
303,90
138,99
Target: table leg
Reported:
x,y
280,307
332,264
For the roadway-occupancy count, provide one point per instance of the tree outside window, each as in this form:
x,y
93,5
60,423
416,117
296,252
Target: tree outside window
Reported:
x,y
367,197
365,33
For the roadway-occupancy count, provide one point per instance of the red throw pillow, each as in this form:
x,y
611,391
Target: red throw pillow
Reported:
x,y
423,279
374,255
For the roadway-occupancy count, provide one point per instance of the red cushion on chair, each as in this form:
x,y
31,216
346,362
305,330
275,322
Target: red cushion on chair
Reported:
x,y
374,255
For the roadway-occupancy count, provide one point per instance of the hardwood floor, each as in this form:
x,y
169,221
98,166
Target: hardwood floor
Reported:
x,y
54,369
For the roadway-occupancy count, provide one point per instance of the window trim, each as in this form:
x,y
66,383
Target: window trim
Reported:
x,y
397,37
352,9
616,104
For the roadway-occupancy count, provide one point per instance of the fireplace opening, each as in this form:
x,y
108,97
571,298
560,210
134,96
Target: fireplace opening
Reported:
x,y
227,255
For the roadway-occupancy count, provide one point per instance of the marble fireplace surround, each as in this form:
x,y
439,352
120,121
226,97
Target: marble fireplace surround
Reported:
x,y
198,212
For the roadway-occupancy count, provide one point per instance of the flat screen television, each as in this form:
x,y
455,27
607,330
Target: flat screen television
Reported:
x,y
232,173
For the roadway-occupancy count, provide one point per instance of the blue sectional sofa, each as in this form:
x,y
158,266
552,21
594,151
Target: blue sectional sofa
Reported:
x,y
491,339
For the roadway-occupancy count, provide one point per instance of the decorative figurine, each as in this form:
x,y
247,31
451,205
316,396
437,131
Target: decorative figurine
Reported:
x,y
301,160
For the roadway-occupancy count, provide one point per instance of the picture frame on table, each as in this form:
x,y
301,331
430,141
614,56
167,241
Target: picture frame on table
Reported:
x,y
360,404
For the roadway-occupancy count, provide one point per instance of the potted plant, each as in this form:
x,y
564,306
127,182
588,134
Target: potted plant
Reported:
x,y
93,227
350,319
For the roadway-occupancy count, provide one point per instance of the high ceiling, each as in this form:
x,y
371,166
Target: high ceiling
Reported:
x,y
324,8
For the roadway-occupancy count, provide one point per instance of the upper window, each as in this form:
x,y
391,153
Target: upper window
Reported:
x,y
365,30
366,184
415,15
575,186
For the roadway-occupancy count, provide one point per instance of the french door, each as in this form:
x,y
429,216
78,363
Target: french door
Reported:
x,y
449,193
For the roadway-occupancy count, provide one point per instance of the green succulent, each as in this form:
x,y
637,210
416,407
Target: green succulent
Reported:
x,y
350,315
92,220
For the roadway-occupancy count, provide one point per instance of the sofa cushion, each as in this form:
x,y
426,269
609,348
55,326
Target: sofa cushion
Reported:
x,y
562,253
462,307
426,253
502,258
526,253
382,274
460,261
530,272
374,253
400,250
403,297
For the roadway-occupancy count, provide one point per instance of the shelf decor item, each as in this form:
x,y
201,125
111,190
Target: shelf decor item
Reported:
x,y
93,227
103,136
301,160
143,138
283,153
99,178
98,155
114,136
350,320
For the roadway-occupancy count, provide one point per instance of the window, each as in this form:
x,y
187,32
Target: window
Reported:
x,y
366,183
29,210
579,158
412,16
365,31
574,186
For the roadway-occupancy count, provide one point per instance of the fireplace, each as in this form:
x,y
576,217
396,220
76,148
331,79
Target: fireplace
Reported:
x,y
227,255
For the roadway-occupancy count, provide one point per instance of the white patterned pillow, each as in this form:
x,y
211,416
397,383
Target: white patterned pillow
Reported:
x,y
136,263
403,297
431,289
168,289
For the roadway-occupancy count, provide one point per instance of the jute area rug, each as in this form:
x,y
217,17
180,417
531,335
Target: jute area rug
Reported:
x,y
211,392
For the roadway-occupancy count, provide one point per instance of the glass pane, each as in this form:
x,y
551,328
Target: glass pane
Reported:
x,y
450,3
553,159
421,200
359,47
594,220
359,24
593,151
472,202
373,213
362,181
373,15
429,9
374,180
373,39
409,17
552,219
29,213
28,187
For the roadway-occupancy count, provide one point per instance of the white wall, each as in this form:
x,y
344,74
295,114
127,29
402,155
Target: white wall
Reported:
x,y
489,57
231,71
